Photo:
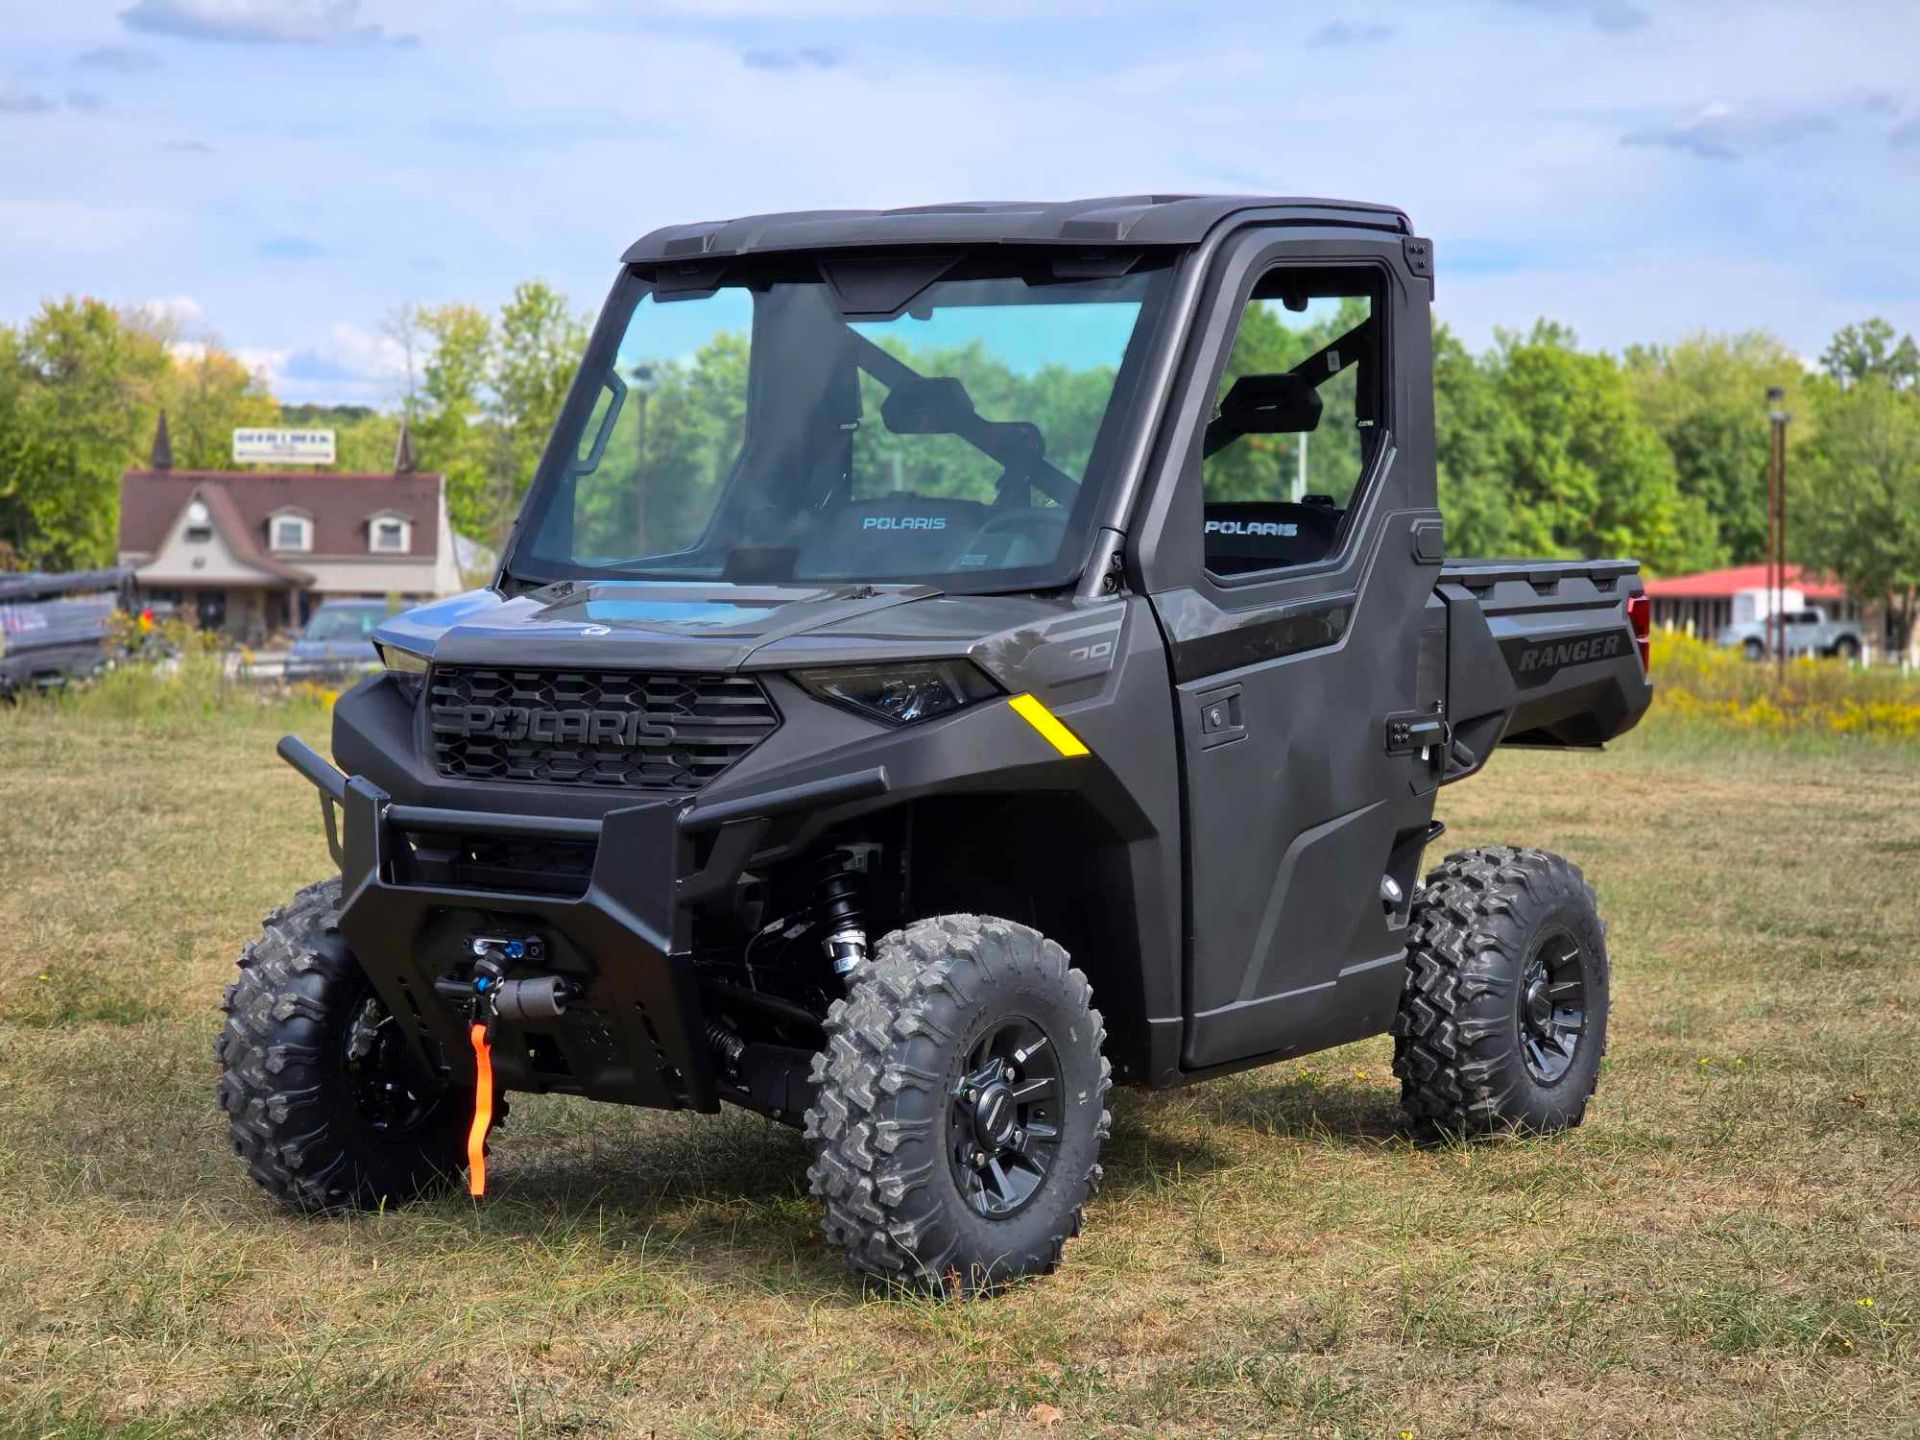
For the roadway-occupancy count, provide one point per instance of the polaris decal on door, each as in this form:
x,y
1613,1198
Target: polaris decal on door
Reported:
x,y
1283,529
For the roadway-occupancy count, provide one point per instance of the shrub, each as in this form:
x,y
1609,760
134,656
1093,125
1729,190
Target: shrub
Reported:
x,y
168,674
1696,681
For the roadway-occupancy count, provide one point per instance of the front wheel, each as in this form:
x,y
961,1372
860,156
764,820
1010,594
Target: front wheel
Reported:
x,y
325,1100
1755,650
1503,1021
961,1102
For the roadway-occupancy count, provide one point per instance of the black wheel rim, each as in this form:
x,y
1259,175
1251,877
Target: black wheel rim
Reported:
x,y
1553,1008
391,1090
1004,1120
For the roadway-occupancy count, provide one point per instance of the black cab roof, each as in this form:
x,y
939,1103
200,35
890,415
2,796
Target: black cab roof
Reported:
x,y
1172,220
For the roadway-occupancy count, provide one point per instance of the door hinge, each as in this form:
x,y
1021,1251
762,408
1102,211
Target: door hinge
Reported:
x,y
1418,251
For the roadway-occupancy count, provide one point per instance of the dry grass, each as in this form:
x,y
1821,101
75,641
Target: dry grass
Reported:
x,y
1268,1256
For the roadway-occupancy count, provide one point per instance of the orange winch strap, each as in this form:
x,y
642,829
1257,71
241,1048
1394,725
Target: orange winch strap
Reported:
x,y
482,1112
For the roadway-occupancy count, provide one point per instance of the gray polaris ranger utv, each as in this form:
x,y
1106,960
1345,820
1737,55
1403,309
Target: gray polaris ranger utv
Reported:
x,y
924,625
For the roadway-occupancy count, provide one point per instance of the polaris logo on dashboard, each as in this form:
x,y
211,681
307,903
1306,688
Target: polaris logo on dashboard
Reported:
x,y
1284,529
554,727
1534,661
904,522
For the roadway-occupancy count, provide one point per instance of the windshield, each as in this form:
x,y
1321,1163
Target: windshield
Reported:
x,y
775,430
356,623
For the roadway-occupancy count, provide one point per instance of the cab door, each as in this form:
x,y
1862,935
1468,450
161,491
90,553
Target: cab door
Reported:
x,y
1307,649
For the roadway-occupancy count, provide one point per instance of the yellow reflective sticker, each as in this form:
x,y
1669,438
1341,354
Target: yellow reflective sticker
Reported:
x,y
1048,724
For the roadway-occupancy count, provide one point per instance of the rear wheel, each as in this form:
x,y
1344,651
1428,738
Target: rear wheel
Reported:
x,y
1847,648
1503,1022
326,1101
961,1104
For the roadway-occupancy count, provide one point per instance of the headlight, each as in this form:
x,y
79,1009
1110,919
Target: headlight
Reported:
x,y
408,669
901,694
401,662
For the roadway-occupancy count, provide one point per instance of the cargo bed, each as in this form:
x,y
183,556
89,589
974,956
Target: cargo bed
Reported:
x,y
1541,653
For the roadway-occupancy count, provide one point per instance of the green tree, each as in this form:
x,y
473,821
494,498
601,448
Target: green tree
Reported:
x,y
1873,350
1707,397
364,437
207,396
536,349
27,458
1266,467
1065,404
1473,435
80,408
449,435
1589,476
1855,509
672,444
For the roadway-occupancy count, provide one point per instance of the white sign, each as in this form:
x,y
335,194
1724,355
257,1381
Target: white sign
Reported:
x,y
283,447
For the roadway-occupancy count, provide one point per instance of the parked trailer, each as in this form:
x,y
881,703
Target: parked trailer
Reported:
x,y
56,627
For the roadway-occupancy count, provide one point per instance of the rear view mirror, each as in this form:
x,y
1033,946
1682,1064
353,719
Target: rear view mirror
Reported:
x,y
936,405
1271,405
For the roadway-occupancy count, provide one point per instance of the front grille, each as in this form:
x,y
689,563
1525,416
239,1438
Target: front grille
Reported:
x,y
614,728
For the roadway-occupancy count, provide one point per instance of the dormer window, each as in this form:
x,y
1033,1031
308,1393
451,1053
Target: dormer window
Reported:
x,y
199,523
290,531
389,535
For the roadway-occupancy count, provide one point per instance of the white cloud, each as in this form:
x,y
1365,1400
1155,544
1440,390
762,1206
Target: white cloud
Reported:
x,y
363,352
257,22
540,137
17,101
1723,131
348,365
120,59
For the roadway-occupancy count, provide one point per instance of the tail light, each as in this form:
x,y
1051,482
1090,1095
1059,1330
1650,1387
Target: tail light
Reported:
x,y
1640,617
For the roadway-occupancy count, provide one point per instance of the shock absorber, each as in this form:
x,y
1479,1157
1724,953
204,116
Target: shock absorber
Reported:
x,y
837,901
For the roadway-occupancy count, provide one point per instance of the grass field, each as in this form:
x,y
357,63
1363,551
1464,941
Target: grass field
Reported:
x,y
1729,1246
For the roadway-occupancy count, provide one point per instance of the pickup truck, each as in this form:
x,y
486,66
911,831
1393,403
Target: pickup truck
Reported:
x,y
1808,632
922,624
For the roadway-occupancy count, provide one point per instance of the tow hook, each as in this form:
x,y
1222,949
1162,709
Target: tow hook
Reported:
x,y
482,1108
491,996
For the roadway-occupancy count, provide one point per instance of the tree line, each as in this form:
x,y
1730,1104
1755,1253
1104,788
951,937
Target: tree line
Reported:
x,y
1545,448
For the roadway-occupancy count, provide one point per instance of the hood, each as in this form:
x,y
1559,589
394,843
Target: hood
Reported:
x,y
712,627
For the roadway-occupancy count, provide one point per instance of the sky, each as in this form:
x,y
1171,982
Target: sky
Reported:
x,y
280,175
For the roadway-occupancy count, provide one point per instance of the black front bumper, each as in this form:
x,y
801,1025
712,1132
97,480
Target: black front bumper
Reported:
x,y
615,927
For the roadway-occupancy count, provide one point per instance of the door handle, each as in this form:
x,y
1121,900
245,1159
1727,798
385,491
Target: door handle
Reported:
x,y
1222,716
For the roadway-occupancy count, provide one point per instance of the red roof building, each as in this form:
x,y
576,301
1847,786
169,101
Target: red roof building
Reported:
x,y
1704,604
1720,584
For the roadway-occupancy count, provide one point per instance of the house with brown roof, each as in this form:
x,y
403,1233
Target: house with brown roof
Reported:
x,y
253,552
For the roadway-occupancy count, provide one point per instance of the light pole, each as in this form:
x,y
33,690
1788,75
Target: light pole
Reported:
x,y
1777,417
